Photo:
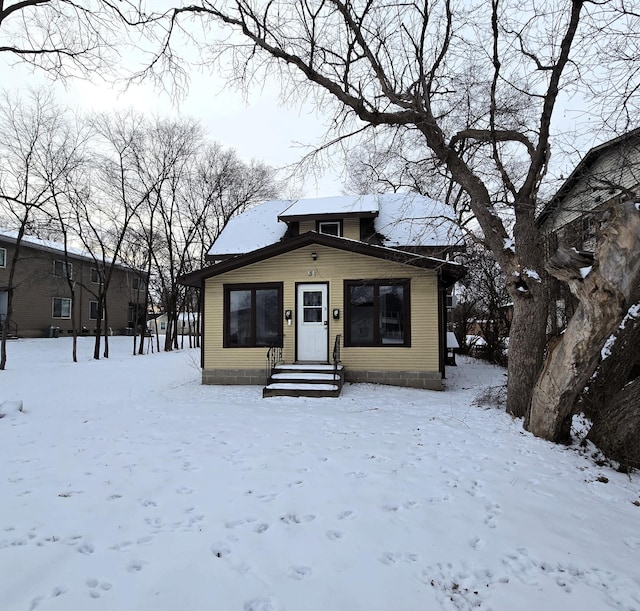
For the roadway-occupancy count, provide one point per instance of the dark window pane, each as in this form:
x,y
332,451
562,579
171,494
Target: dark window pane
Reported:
x,y
362,314
240,318
391,314
312,298
312,306
312,315
330,228
267,317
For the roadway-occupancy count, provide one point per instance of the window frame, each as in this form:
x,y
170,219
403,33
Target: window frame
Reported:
x,y
95,271
253,287
64,266
337,222
53,308
3,257
133,280
91,302
376,283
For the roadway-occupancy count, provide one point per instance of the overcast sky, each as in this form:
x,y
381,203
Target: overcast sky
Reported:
x,y
259,127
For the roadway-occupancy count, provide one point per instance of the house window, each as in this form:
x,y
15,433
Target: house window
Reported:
x,y
3,257
62,269
61,307
93,310
330,227
96,276
163,326
252,315
137,284
377,313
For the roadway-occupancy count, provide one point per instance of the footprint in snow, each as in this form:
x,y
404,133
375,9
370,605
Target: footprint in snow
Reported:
x,y
135,566
299,572
259,604
295,519
334,535
86,548
347,515
477,543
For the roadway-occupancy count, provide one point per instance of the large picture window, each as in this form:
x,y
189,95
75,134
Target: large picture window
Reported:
x,y
252,315
61,307
377,313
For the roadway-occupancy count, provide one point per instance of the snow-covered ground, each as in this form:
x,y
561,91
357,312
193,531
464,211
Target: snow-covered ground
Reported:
x,y
126,485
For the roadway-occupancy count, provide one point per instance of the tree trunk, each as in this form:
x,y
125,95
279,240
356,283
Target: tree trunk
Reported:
x,y
612,401
604,292
527,339
617,428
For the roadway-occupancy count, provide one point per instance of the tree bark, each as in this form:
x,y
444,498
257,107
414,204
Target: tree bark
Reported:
x,y
604,292
617,429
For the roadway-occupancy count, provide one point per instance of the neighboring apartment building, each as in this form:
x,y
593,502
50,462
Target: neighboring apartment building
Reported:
x,y
42,298
608,174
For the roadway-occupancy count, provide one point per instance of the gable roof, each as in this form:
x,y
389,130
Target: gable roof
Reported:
x,y
582,170
450,271
401,220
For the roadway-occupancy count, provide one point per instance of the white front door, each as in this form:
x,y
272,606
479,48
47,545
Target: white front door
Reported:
x,y
312,322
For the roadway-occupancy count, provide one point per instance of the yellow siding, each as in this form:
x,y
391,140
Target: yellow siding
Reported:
x,y
332,266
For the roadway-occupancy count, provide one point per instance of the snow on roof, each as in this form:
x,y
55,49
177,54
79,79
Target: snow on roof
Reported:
x,y
51,246
344,204
415,220
403,220
255,228
12,235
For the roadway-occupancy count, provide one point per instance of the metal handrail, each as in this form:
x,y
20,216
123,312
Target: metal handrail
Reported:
x,y
274,356
336,355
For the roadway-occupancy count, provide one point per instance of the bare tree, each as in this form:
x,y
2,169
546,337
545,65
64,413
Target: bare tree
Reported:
x,y
474,85
483,305
30,130
63,37
110,203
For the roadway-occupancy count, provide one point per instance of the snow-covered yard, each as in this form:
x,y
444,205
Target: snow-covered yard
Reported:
x,y
126,485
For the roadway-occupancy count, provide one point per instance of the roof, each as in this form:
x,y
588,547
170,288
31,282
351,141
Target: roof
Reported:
x,y
346,205
11,236
582,169
449,270
401,219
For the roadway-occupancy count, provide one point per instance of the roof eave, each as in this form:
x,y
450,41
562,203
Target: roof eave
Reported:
x,y
447,269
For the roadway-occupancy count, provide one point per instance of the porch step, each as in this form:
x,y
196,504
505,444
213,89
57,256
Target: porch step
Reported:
x,y
305,380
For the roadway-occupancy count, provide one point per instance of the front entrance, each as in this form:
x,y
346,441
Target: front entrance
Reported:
x,y
312,323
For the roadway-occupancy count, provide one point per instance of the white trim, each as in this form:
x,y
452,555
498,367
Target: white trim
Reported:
x,y
62,299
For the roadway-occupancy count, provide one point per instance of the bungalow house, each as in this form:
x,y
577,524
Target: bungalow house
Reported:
x,y
609,173
42,298
354,287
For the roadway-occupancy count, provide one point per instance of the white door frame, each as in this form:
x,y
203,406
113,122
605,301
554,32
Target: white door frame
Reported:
x,y
312,335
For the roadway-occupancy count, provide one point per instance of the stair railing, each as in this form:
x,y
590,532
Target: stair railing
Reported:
x,y
336,355
274,357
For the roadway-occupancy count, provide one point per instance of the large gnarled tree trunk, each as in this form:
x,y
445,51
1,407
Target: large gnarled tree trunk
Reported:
x,y
604,292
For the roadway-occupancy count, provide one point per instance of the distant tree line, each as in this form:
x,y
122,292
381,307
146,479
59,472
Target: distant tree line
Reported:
x,y
152,194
